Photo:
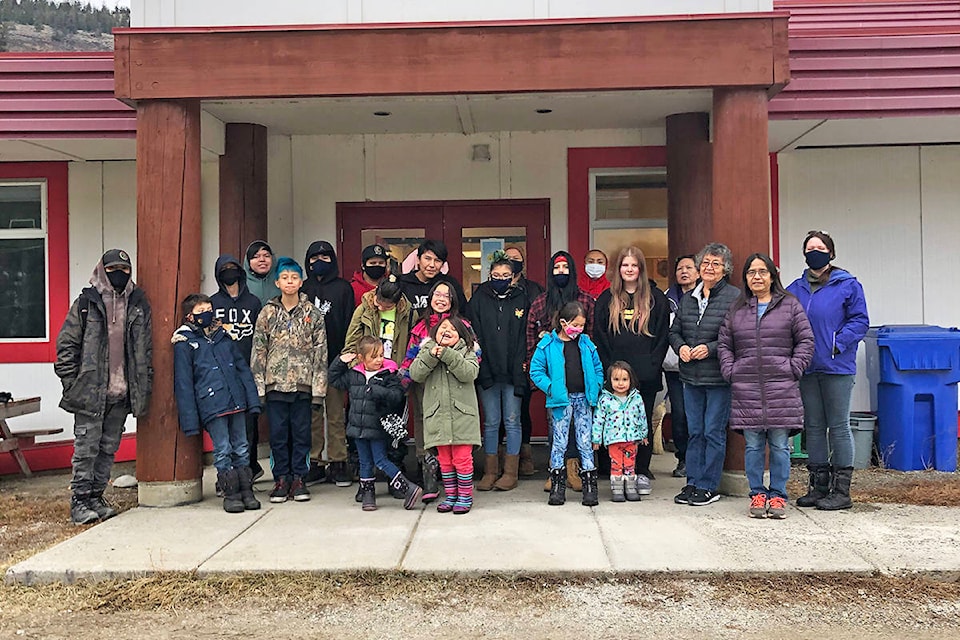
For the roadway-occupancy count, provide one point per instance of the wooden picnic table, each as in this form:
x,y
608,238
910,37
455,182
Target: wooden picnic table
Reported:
x,y
10,441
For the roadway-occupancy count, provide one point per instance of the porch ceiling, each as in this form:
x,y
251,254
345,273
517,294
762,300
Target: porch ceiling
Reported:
x,y
463,113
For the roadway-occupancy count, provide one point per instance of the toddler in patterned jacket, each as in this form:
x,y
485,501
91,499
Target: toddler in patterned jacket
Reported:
x,y
619,422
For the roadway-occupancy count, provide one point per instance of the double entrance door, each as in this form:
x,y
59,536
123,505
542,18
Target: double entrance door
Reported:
x,y
462,225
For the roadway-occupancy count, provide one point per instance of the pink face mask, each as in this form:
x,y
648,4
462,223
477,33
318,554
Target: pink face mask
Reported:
x,y
572,331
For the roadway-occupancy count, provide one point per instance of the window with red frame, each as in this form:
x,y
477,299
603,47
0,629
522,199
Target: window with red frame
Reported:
x,y
33,259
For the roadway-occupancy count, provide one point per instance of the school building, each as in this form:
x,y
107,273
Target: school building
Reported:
x,y
554,124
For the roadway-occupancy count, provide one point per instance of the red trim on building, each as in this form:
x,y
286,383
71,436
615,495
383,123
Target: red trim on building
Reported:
x,y
61,95
48,456
775,207
579,163
58,257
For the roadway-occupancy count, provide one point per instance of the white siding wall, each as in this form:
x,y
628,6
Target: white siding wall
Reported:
x,y
103,209
892,213
331,169
171,13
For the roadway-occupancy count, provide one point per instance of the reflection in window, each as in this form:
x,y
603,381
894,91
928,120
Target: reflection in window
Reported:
x,y
23,278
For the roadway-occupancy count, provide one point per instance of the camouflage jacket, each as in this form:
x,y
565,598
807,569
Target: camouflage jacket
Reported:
x,y
290,350
82,354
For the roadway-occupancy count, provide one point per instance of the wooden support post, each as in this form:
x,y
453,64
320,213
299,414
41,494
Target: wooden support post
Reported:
x,y
243,188
168,268
741,191
689,183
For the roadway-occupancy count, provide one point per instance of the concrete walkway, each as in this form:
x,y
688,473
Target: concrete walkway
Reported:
x,y
512,532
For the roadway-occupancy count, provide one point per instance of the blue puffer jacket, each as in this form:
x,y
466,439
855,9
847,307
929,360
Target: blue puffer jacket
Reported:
x,y
210,377
549,374
838,316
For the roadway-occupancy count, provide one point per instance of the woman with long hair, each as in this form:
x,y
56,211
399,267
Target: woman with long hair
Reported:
x,y
764,346
632,321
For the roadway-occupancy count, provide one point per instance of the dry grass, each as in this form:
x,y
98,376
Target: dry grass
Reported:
x,y
927,488
831,590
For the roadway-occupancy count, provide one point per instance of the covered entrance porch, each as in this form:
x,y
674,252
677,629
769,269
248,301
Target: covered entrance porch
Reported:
x,y
549,98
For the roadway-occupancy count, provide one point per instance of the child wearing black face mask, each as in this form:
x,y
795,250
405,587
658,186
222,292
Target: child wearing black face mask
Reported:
x,y
214,389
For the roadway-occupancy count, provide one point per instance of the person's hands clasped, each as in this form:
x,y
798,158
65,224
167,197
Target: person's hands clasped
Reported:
x,y
699,352
685,353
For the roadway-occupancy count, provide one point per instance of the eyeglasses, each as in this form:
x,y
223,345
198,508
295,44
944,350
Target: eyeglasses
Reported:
x,y
753,273
506,277
715,264
442,296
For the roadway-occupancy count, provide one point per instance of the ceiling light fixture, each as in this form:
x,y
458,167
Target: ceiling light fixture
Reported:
x,y
381,114
544,111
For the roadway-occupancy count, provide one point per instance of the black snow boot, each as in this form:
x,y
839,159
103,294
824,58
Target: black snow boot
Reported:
x,y
368,494
431,478
98,503
230,483
411,492
589,481
818,485
839,496
558,487
245,477
81,511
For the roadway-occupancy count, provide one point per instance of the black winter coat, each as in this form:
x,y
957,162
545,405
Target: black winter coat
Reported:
x,y
370,400
644,354
501,326
691,330
83,354
333,296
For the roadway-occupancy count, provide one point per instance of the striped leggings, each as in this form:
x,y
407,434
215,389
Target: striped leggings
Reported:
x,y
456,467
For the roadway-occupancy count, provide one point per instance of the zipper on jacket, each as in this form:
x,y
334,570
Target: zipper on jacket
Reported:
x,y
763,394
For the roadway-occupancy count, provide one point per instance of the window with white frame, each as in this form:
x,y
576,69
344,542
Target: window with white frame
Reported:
x,y
629,207
23,260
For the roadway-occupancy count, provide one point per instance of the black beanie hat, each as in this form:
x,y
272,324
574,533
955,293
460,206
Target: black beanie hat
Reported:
x,y
255,246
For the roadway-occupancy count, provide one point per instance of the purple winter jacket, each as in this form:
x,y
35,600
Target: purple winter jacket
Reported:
x,y
763,362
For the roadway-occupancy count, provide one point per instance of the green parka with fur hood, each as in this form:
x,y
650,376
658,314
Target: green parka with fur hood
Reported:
x,y
450,412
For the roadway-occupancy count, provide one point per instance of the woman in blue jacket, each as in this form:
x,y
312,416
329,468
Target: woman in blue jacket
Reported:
x,y
215,390
837,310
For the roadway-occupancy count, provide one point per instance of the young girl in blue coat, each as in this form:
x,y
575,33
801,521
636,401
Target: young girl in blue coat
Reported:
x,y
215,390
566,367
619,422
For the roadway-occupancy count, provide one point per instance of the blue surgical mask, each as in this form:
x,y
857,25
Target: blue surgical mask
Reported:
x,y
203,319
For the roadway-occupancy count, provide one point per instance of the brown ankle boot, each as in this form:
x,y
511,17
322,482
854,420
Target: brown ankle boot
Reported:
x,y
508,480
526,461
573,475
491,469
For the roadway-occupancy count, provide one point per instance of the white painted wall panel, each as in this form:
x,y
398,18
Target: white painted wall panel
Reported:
x,y
280,202
868,199
940,195
168,13
209,225
331,169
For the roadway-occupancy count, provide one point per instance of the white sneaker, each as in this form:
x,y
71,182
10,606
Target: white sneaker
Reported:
x,y
643,485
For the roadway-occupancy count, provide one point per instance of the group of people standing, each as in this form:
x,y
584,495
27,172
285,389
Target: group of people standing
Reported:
x,y
296,342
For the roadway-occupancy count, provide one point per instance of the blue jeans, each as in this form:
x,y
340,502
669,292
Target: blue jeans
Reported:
x,y
289,437
754,460
229,436
826,413
708,410
498,401
579,410
678,415
373,456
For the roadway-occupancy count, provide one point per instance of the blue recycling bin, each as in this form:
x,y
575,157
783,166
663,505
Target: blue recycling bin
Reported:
x,y
919,367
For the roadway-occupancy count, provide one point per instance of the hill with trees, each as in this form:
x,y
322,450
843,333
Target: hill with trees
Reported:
x,y
43,25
